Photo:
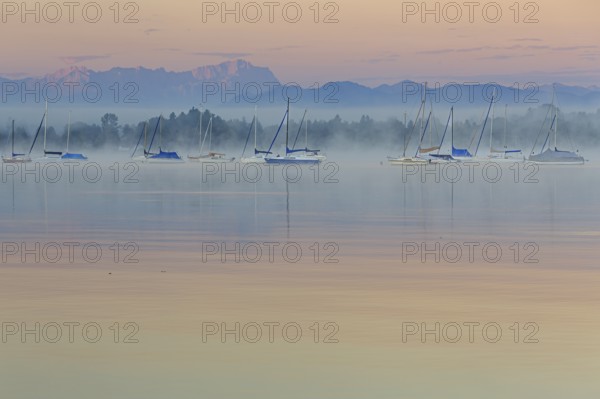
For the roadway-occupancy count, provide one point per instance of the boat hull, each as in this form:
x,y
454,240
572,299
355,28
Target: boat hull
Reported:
x,y
162,160
259,160
407,161
505,160
557,157
292,160
581,162
16,159
210,159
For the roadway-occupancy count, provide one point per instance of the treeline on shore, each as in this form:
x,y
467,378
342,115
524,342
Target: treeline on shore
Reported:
x,y
181,132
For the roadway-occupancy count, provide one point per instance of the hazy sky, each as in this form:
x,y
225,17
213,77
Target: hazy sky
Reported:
x,y
370,43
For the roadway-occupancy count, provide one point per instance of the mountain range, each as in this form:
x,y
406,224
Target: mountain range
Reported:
x,y
238,83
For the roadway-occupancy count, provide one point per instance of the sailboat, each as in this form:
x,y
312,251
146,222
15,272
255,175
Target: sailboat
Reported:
x,y
68,155
259,156
307,152
289,158
463,154
512,155
404,159
443,158
16,158
432,153
554,156
211,156
161,156
49,154
145,135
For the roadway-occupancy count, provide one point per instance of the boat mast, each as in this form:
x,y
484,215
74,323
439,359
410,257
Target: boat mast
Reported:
x,y
160,133
306,133
423,135
145,135
287,126
555,114
492,125
431,125
68,132
505,123
45,127
13,138
255,123
406,128
555,128
210,135
423,105
484,125
452,132
200,143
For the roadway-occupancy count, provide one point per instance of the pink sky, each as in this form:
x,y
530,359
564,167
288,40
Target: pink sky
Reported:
x,y
369,43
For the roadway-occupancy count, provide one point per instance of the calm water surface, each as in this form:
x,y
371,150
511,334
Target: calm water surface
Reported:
x,y
379,248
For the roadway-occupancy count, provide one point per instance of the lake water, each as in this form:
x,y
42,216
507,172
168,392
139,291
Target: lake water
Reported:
x,y
337,283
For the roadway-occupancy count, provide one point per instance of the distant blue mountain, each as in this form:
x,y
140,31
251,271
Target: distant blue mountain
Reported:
x,y
238,83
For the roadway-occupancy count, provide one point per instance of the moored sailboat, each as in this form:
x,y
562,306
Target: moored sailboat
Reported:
x,y
443,158
289,158
211,156
554,156
505,154
14,157
404,159
161,156
49,154
463,154
311,154
68,155
259,156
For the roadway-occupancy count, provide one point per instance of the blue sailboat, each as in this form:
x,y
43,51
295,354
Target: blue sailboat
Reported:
x,y
161,156
289,157
437,157
464,153
71,156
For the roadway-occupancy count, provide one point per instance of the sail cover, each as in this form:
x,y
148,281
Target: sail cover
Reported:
x,y
426,150
73,156
460,152
165,155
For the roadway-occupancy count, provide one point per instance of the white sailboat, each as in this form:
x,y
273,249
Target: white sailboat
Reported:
x,y
554,156
404,159
289,157
211,156
259,156
308,153
503,155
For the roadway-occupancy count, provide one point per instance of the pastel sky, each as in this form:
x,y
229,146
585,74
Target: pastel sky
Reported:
x,y
370,43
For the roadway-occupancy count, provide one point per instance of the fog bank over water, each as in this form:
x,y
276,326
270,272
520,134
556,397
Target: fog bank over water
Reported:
x,y
180,131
